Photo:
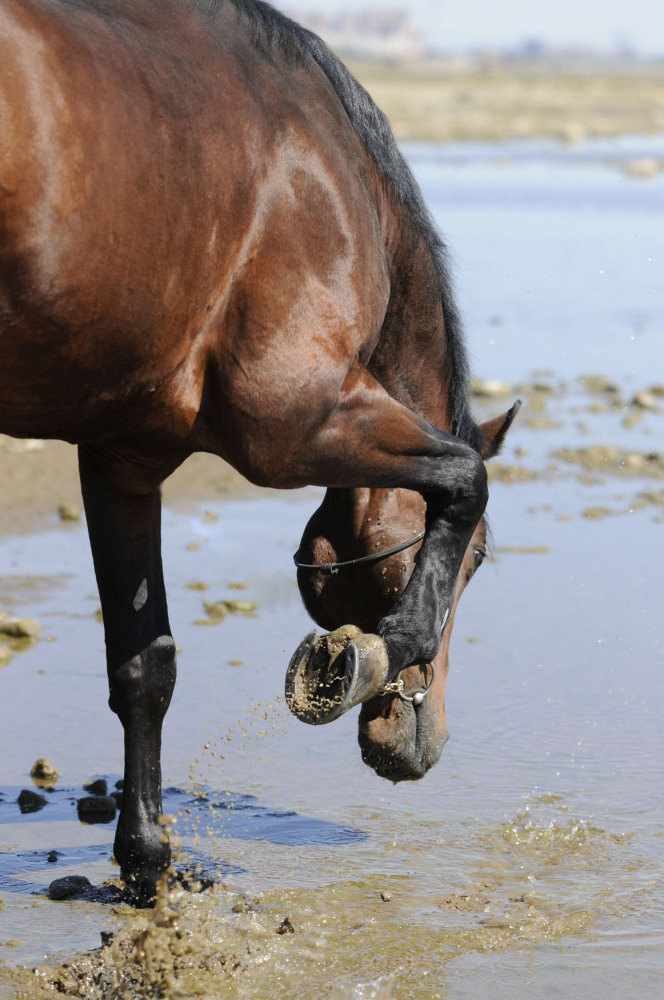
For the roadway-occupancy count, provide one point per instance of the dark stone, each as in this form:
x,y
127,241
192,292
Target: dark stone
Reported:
x,y
119,784
68,887
286,927
96,809
117,796
97,787
52,858
106,938
30,802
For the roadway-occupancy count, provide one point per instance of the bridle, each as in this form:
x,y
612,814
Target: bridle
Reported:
x,y
333,567
396,686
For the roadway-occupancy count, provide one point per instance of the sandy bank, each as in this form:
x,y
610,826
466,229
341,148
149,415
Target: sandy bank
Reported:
x,y
430,104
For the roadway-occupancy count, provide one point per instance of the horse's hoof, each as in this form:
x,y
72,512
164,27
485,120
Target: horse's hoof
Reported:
x,y
330,674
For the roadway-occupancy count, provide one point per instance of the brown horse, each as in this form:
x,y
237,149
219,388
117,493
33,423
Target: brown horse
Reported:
x,y
209,241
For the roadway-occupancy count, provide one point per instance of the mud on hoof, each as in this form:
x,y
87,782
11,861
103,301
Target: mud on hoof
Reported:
x,y
330,674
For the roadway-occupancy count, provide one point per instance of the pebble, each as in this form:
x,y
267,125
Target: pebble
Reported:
x,y
96,808
286,926
21,628
97,787
69,512
68,887
29,801
386,897
43,770
52,857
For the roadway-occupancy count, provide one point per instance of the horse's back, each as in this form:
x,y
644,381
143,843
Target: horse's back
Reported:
x,y
157,159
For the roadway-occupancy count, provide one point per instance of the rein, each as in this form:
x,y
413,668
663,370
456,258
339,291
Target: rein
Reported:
x,y
334,567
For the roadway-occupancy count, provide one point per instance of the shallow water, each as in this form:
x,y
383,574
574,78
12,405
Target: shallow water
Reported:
x,y
530,859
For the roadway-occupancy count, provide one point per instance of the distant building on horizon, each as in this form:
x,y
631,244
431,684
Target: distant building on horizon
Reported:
x,y
367,33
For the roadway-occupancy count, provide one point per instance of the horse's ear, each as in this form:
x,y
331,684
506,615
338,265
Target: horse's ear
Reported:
x,y
495,430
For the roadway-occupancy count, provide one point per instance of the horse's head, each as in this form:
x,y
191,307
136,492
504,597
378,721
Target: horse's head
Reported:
x,y
400,739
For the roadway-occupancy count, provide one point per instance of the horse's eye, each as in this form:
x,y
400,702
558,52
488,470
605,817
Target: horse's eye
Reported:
x,y
480,553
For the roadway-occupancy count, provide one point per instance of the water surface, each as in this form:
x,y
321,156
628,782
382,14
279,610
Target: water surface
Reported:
x,y
529,861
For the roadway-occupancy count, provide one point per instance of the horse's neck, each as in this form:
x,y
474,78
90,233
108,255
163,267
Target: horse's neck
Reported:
x,y
411,359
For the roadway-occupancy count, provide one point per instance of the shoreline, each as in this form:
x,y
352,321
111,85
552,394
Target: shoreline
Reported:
x,y
39,477
433,103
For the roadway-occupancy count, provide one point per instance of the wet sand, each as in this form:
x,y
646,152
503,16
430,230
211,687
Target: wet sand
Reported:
x,y
39,477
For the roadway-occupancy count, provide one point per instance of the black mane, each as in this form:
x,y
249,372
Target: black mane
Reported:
x,y
273,31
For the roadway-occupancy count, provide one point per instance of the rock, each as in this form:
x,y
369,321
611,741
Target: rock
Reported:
x,y
96,809
69,512
21,628
52,857
643,168
30,802
217,612
598,383
596,513
117,798
97,787
240,607
386,897
119,784
645,401
43,770
286,927
68,887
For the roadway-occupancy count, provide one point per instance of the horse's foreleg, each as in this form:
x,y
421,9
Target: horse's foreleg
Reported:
x,y
370,440
124,523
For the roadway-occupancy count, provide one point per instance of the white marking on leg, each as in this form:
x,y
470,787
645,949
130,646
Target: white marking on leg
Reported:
x,y
141,596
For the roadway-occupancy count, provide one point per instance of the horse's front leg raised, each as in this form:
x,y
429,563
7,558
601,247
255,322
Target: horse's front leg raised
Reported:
x,y
124,523
370,440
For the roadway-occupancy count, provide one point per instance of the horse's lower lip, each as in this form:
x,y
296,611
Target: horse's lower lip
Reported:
x,y
397,771
418,754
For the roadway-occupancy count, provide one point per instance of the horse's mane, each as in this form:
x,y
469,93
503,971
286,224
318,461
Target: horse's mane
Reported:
x,y
273,31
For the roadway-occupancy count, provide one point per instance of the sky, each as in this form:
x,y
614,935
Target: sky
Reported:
x,y
459,24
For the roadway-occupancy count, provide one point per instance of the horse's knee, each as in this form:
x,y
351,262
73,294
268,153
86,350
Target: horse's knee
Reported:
x,y
144,684
464,491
